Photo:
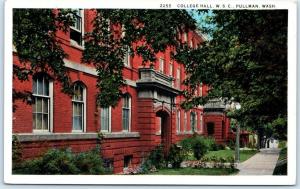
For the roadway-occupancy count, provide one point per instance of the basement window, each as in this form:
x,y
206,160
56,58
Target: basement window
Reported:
x,y
127,161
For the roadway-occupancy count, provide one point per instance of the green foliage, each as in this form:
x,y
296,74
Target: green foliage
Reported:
x,y
281,166
176,156
37,47
63,161
282,144
155,159
16,152
90,162
106,46
245,59
199,145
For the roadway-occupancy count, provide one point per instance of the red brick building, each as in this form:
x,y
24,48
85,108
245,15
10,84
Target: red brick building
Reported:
x,y
147,115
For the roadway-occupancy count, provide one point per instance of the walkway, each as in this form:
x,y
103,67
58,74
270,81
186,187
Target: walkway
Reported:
x,y
262,163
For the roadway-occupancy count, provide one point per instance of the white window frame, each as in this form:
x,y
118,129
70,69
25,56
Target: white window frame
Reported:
x,y
50,107
178,121
84,110
161,65
193,123
171,69
201,122
127,62
185,37
185,122
73,42
191,44
129,115
109,120
178,78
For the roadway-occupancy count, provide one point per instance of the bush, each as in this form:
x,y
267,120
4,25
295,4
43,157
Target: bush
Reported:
x,y
63,161
155,160
176,156
16,152
90,162
197,144
282,144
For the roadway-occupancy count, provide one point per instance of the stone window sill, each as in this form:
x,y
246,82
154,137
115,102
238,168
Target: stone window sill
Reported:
x,y
27,137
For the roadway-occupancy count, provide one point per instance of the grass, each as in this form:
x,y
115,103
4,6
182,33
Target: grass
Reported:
x,y
281,165
244,154
195,171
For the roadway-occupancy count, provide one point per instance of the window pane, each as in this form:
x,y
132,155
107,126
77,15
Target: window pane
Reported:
x,y
45,121
45,105
40,86
34,87
38,102
46,87
105,119
38,122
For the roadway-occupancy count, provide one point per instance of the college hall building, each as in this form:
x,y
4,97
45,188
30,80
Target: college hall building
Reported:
x,y
147,115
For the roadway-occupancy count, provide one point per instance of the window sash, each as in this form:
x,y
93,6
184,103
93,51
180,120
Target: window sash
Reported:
x,y
105,119
40,113
185,121
126,108
161,65
78,116
178,121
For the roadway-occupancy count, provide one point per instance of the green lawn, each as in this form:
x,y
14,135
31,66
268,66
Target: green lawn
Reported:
x,y
195,171
244,154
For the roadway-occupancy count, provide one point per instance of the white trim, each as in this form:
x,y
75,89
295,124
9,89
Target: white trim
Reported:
x,y
84,97
90,70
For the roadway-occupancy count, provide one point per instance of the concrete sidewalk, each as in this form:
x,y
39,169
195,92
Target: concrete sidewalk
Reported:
x,y
262,163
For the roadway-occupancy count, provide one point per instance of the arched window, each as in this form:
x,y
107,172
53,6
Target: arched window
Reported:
x,y
78,103
41,107
126,112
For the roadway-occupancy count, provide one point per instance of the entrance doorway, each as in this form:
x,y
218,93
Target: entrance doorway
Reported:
x,y
163,125
210,128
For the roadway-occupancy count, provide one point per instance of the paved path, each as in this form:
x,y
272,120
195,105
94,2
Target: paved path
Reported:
x,y
262,163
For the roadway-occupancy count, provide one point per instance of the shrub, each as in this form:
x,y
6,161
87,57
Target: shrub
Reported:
x,y
197,144
16,152
157,157
282,144
176,156
63,161
90,162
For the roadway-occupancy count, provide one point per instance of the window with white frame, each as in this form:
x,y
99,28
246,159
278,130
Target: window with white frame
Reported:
x,y
185,36
178,78
41,107
191,44
185,121
161,65
201,121
126,112
78,103
200,89
105,119
193,121
127,62
171,69
178,121
77,29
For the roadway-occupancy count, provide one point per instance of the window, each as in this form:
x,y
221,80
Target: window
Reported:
x,y
178,121
76,30
178,78
78,102
127,58
191,44
200,89
126,114
210,129
171,69
185,121
193,121
158,124
185,36
105,119
127,161
41,107
161,65
201,121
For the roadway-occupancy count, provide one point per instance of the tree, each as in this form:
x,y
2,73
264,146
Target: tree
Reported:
x,y
245,59
38,48
142,32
